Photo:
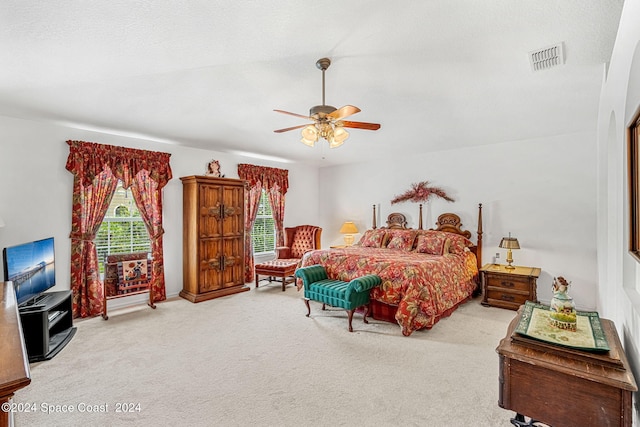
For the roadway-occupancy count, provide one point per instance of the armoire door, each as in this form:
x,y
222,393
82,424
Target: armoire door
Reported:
x,y
233,260
233,236
211,265
211,215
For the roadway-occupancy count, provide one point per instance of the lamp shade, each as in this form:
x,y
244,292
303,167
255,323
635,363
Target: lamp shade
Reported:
x,y
348,228
309,135
509,243
335,144
339,137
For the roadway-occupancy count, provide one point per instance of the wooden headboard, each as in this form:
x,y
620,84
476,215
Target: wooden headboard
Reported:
x,y
448,222
396,221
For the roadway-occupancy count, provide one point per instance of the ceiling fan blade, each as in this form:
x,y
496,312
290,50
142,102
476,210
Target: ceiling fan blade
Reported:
x,y
293,114
361,125
292,128
345,111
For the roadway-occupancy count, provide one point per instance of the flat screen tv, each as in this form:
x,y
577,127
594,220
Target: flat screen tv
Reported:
x,y
31,268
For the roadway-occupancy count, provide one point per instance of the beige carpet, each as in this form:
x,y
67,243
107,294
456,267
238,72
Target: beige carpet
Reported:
x,y
255,359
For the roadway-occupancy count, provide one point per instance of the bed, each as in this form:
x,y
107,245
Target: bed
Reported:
x,y
426,274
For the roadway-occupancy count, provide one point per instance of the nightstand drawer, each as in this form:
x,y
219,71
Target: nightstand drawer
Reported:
x,y
508,282
506,296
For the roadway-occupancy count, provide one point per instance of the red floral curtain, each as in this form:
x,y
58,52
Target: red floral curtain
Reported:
x,y
90,203
149,201
93,165
88,159
251,203
269,179
276,198
264,176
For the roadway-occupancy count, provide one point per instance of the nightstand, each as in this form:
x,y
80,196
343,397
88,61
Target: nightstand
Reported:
x,y
337,246
508,288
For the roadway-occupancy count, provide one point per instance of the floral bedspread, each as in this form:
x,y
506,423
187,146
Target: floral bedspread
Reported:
x,y
423,287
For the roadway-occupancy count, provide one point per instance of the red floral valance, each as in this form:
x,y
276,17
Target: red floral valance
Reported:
x,y
87,159
266,177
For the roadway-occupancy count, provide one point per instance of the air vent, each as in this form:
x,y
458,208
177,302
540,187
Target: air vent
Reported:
x,y
546,58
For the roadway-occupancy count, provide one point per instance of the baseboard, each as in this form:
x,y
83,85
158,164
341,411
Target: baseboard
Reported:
x,y
117,303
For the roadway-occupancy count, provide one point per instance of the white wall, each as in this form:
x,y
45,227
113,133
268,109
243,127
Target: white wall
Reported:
x,y
543,191
35,189
619,273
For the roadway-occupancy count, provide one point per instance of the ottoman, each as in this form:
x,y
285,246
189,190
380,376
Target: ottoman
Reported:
x,y
277,268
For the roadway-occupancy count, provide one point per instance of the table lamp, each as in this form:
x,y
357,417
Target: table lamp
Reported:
x,y
348,229
509,243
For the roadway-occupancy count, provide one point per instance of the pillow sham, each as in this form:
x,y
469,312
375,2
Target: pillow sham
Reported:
x,y
458,243
401,240
432,242
372,239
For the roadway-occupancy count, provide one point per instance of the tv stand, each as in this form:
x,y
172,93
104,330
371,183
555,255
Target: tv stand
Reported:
x,y
47,325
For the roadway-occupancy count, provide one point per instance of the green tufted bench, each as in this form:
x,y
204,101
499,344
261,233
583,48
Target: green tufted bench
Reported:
x,y
336,293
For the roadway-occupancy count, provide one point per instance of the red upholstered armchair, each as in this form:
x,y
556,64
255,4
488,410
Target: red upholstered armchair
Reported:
x,y
298,241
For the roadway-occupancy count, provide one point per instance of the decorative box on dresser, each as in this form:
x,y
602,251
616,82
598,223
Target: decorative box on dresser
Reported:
x,y
213,237
563,386
508,288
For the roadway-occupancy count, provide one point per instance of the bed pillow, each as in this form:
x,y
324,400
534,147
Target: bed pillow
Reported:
x,y
401,240
432,242
459,243
373,239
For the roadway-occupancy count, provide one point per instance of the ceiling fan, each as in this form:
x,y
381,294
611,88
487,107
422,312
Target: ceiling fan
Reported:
x,y
327,120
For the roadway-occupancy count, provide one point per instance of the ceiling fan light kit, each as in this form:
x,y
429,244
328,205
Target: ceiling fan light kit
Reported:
x,y
327,120
336,136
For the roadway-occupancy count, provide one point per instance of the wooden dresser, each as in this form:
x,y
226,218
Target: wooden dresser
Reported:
x,y
213,237
508,288
14,366
561,386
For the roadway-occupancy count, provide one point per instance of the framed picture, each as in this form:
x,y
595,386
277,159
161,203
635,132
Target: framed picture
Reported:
x,y
633,154
213,168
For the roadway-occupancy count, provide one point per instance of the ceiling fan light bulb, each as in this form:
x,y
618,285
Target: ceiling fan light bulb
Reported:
x,y
308,142
340,135
310,132
337,139
309,135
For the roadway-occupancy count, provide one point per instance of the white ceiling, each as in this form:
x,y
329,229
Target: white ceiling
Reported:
x,y
436,74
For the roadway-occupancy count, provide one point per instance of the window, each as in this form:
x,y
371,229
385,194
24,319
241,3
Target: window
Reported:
x,y
121,211
633,137
264,230
122,230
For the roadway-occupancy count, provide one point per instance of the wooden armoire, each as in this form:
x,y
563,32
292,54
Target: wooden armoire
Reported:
x,y
213,237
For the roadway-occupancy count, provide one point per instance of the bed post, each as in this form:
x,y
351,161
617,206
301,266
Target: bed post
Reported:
x,y
374,217
479,244
420,218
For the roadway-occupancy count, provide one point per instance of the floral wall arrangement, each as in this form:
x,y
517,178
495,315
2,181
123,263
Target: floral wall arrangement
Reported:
x,y
421,192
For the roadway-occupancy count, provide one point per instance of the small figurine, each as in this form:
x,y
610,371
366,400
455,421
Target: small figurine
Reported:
x,y
562,312
213,169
